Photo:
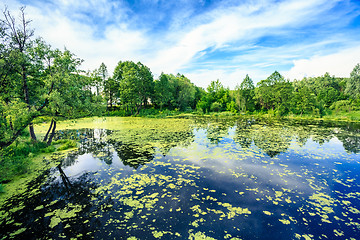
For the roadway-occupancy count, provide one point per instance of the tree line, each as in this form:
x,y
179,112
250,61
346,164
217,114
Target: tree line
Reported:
x,y
132,88
37,80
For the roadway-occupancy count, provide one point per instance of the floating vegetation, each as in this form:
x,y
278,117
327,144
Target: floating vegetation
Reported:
x,y
134,178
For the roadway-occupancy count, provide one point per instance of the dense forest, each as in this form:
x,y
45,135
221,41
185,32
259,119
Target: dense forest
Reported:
x,y
39,81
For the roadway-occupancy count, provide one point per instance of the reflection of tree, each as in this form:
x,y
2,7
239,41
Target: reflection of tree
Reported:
x,y
275,137
134,148
273,140
42,204
349,135
134,155
243,133
64,178
216,128
92,141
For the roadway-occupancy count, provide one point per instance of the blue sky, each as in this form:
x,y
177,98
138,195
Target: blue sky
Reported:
x,y
205,40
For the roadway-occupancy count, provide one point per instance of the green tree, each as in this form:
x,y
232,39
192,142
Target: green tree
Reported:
x,y
39,81
244,95
353,83
185,92
111,91
162,91
274,93
304,100
19,39
99,77
136,84
216,99
146,84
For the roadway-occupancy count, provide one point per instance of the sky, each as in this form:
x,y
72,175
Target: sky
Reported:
x,y
204,40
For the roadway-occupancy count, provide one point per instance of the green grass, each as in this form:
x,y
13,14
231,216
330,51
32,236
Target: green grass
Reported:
x,y
18,159
66,144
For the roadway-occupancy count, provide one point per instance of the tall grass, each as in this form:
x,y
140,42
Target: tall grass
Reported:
x,y
16,159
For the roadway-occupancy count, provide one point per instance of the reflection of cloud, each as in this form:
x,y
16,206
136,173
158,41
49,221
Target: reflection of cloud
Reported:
x,y
84,163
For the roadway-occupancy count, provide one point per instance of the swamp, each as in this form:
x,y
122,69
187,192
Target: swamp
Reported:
x,y
193,178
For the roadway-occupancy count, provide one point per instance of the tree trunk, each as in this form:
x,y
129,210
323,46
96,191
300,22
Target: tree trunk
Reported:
x,y
47,134
64,178
11,124
110,98
27,101
52,134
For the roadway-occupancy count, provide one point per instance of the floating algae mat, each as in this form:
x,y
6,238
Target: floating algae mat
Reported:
x,y
137,178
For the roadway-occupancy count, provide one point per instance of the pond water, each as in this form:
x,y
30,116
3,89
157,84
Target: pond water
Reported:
x,y
135,178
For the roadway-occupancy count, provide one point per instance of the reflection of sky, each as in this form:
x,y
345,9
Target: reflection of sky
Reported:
x,y
333,148
240,177
87,163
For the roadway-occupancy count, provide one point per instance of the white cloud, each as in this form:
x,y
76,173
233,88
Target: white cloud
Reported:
x,y
229,78
222,27
183,44
339,64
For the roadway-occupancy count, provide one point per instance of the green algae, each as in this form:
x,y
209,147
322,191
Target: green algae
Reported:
x,y
141,195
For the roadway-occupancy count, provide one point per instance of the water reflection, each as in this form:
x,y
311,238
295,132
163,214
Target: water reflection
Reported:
x,y
276,137
225,179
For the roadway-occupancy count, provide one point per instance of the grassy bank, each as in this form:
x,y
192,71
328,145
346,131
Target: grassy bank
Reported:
x,y
24,159
335,115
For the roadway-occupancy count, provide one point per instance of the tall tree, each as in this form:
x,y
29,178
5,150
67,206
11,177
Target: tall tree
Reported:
x,y
37,81
135,84
19,37
244,95
274,93
303,100
353,84
99,78
162,91
111,91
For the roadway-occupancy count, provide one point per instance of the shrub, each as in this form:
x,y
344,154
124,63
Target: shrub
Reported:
x,y
68,144
342,105
215,107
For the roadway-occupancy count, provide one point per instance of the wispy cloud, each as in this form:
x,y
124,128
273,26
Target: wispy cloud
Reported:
x,y
339,64
205,40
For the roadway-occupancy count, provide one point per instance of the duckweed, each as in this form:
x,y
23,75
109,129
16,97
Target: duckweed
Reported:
x,y
135,178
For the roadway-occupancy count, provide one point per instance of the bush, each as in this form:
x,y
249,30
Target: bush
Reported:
x,y
342,105
215,107
67,144
231,106
48,149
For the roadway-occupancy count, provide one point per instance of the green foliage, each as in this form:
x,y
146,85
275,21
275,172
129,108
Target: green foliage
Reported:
x,y
39,81
345,106
274,93
136,84
67,144
216,107
303,101
244,95
162,91
216,99
16,159
353,84
48,149
231,107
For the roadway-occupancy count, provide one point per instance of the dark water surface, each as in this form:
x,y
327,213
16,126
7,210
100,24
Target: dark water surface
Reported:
x,y
196,179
